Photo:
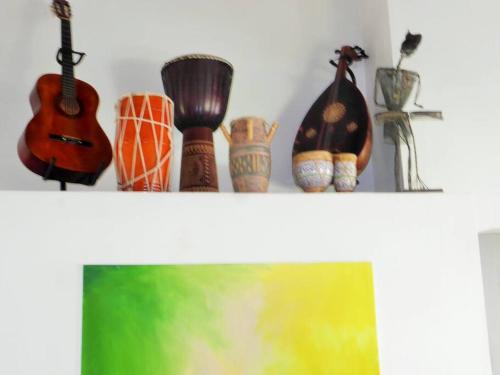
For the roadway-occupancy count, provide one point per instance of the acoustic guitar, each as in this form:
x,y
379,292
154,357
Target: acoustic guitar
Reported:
x,y
64,141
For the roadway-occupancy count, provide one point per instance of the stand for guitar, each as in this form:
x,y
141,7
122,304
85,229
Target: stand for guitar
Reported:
x,y
59,59
62,184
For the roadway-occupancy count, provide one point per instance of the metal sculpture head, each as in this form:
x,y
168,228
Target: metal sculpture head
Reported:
x,y
409,46
397,84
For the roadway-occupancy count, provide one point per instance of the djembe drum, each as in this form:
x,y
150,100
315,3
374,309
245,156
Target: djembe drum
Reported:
x,y
199,86
143,143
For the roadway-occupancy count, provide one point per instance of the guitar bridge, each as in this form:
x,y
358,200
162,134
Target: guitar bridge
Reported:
x,y
70,140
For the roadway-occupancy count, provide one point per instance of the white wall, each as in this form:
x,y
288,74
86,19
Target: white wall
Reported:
x,y
280,50
430,308
458,60
378,43
427,272
490,260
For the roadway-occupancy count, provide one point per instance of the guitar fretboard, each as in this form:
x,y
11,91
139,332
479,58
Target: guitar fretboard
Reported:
x,y
68,73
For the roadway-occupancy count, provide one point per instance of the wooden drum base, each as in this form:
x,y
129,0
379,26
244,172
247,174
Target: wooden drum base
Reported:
x,y
198,169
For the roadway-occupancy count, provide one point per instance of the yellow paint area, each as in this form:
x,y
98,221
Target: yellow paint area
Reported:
x,y
320,319
296,320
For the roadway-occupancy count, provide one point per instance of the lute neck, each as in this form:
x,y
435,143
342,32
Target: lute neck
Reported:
x,y
68,72
339,76
323,142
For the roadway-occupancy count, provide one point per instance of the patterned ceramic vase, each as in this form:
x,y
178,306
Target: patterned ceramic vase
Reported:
x,y
313,170
250,154
143,143
345,176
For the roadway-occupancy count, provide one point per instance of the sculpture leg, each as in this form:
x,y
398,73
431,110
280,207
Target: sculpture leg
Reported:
x,y
393,132
416,183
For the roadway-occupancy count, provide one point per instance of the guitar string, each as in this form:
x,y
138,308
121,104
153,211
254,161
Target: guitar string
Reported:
x,y
69,97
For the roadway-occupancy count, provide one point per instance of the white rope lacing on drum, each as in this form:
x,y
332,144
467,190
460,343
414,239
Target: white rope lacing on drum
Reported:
x,y
158,182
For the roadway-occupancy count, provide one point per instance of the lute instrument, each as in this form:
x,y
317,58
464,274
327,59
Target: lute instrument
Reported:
x,y
339,121
64,141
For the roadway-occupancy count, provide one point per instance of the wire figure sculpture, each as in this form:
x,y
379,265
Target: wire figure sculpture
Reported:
x,y
396,86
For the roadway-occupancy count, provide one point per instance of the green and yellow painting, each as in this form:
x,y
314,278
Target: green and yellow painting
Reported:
x,y
311,319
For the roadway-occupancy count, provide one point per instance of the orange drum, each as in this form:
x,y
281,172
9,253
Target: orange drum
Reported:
x,y
143,144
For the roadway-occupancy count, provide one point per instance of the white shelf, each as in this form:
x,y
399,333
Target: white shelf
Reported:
x,y
423,248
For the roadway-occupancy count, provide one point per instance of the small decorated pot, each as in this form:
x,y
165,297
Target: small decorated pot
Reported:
x,y
345,176
313,170
250,154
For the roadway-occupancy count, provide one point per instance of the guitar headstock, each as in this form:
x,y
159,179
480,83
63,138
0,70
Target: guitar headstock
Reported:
x,y
355,53
62,9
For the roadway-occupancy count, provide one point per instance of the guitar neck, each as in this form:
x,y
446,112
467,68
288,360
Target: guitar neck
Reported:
x,y
68,72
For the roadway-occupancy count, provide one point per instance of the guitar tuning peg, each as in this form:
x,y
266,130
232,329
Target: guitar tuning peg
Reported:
x,y
361,52
338,52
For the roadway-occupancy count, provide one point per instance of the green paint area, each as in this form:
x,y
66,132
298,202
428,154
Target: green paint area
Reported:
x,y
140,320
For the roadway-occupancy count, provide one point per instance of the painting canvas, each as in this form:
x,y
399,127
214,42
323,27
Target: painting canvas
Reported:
x,y
229,319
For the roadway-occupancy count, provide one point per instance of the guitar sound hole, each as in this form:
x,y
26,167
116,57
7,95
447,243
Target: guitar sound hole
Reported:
x,y
69,106
70,140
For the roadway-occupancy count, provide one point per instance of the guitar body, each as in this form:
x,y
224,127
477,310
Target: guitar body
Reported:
x,y
346,121
58,146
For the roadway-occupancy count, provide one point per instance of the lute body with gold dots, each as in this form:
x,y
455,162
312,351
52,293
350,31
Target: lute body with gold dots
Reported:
x,y
339,121
64,141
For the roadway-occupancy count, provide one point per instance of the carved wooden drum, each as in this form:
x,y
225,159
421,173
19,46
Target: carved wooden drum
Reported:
x,y
143,144
200,86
